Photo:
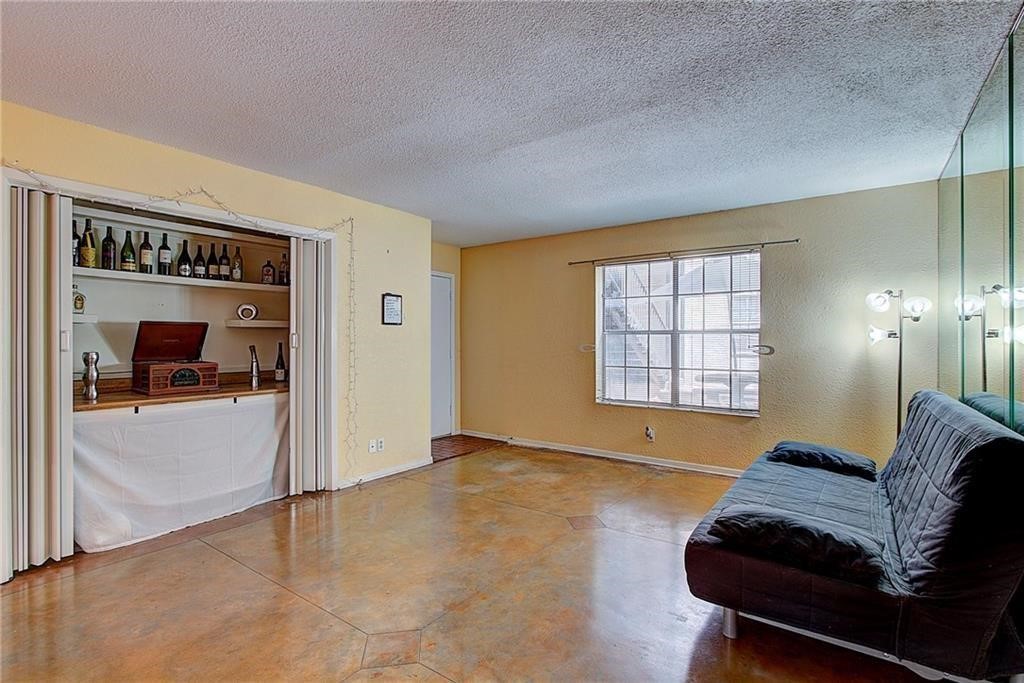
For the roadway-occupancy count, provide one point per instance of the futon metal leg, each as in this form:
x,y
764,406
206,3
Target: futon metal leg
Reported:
x,y
729,618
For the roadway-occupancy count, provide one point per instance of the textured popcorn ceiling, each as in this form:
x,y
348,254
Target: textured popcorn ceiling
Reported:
x,y
506,120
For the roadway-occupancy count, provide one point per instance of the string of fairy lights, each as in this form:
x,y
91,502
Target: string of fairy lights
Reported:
x,y
348,224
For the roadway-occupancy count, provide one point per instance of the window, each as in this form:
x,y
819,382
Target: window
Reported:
x,y
680,333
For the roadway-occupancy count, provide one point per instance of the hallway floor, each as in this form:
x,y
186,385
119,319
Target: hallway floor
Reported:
x,y
507,564
444,447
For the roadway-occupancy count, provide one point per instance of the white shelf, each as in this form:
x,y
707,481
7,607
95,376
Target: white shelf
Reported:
x,y
279,324
77,318
174,280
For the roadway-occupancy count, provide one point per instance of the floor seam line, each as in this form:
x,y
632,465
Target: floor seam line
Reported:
x,y
493,500
286,588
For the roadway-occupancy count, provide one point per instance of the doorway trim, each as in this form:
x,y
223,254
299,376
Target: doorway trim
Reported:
x,y
451,351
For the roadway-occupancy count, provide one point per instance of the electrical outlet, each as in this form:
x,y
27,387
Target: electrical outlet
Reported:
x,y
649,433
373,445
380,445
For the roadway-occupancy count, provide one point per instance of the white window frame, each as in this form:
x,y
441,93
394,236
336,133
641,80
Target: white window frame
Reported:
x,y
675,333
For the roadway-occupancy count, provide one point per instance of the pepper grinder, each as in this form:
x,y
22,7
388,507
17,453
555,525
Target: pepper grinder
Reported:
x,y
254,369
90,376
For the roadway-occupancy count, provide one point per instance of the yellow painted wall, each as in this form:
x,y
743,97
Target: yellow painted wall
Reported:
x,y
525,313
445,258
392,254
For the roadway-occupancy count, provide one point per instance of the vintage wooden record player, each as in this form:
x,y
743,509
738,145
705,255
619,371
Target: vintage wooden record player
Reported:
x,y
167,359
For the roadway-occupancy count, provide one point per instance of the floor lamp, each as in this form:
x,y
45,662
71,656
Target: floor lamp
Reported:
x,y
910,308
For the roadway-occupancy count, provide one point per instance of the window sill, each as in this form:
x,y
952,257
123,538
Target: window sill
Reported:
x,y
685,409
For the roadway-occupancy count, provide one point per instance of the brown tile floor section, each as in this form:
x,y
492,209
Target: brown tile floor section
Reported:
x,y
468,570
445,447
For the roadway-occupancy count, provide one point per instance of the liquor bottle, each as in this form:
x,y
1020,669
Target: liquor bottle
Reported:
x,y
280,371
236,265
225,264
212,264
283,273
269,273
87,247
109,250
145,255
128,253
163,258
184,261
199,264
74,243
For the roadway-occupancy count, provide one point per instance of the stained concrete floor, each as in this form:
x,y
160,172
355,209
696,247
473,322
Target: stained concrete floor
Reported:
x,y
510,564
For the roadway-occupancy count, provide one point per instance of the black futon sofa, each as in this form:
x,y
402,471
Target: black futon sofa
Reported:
x,y
921,561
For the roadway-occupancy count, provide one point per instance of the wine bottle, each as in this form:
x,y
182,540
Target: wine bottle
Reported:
x,y
128,253
283,273
236,265
87,247
269,273
212,264
74,243
225,264
109,250
184,261
163,257
280,371
199,263
145,255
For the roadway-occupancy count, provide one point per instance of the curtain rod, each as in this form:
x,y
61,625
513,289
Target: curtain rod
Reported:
x,y
670,254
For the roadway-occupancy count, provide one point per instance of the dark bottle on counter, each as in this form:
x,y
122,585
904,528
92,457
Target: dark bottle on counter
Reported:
x,y
212,264
280,371
284,272
109,251
269,273
75,239
128,253
236,265
163,259
184,261
225,264
87,247
145,255
199,264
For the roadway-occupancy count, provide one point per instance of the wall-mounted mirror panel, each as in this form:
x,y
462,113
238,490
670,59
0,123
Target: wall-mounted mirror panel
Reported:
x,y
951,366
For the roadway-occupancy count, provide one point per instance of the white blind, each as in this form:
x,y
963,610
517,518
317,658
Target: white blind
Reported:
x,y
680,332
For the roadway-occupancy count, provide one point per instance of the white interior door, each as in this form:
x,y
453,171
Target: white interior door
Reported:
x,y
442,363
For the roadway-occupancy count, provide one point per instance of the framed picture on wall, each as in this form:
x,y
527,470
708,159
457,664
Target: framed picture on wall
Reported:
x,y
391,309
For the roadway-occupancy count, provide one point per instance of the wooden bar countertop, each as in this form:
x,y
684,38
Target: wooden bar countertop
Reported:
x,y
117,393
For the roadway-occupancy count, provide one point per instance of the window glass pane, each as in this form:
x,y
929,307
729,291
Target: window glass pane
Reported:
x,y
661,277
689,387
691,313
637,313
614,281
746,310
614,349
661,313
743,357
660,351
636,384
716,351
716,312
691,276
746,271
615,314
716,389
636,279
691,350
615,384
745,390
717,274
636,350
660,387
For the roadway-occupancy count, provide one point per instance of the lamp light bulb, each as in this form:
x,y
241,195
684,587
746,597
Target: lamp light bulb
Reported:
x,y
1014,335
1014,297
916,306
969,305
877,301
877,334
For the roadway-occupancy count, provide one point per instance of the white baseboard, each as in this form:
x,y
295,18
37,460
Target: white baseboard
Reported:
x,y
613,455
386,472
